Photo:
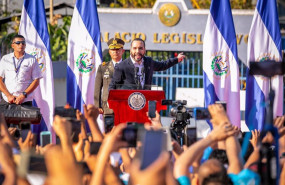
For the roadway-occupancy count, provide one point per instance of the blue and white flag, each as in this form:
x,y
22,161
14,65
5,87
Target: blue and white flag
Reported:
x,y
84,54
220,61
33,27
264,43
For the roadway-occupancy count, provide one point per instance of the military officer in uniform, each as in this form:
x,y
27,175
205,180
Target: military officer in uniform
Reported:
x,y
104,76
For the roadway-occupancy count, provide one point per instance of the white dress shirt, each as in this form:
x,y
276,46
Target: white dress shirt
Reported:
x,y
18,74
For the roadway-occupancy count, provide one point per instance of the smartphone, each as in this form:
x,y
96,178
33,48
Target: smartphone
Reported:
x,y
151,109
130,134
94,147
31,163
108,123
190,135
24,130
201,113
45,138
153,143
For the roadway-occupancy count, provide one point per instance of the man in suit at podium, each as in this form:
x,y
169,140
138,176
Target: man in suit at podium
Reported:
x,y
136,71
105,74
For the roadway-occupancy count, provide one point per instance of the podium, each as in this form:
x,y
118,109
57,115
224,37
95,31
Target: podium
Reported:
x,y
132,105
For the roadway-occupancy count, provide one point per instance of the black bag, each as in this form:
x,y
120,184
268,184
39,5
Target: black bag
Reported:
x,y
21,113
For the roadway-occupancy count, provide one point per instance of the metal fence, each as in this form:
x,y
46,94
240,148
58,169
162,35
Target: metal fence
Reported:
x,y
188,74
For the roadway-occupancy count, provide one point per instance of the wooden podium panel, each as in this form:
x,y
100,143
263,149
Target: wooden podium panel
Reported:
x,y
132,105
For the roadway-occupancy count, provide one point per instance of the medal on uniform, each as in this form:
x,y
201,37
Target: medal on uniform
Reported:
x,y
106,74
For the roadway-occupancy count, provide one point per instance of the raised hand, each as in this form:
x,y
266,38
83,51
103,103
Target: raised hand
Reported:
x,y
8,167
218,114
78,148
155,121
6,137
111,143
62,127
155,173
29,142
222,131
279,124
255,134
90,112
180,57
61,168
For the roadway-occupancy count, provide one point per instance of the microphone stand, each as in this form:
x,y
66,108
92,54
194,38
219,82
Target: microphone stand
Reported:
x,y
143,77
136,77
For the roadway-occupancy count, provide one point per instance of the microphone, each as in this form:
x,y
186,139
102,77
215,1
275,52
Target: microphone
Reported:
x,y
136,76
143,77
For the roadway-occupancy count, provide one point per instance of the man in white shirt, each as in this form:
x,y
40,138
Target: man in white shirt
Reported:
x,y
19,74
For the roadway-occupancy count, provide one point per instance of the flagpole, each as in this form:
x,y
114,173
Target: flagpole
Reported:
x,y
51,11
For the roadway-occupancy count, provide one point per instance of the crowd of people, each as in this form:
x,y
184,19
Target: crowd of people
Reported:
x,y
183,165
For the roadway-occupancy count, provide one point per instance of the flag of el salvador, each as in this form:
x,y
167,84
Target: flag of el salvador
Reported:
x,y
220,60
264,43
84,54
33,27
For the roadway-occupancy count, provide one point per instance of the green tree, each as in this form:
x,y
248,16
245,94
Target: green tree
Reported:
x,y
134,3
59,38
235,4
6,36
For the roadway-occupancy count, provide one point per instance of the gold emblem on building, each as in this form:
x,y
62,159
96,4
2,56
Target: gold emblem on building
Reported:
x,y
169,14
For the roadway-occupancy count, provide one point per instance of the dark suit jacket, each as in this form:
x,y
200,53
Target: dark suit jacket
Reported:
x,y
124,74
103,79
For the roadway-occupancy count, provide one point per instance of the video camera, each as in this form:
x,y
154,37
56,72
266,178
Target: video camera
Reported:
x,y
179,111
181,115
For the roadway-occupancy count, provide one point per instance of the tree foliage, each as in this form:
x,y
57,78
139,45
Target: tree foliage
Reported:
x,y
202,4
235,4
6,35
59,38
135,3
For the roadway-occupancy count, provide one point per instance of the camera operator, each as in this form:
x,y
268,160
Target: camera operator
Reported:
x,y
19,74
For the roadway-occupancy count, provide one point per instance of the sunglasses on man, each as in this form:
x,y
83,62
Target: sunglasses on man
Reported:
x,y
20,42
